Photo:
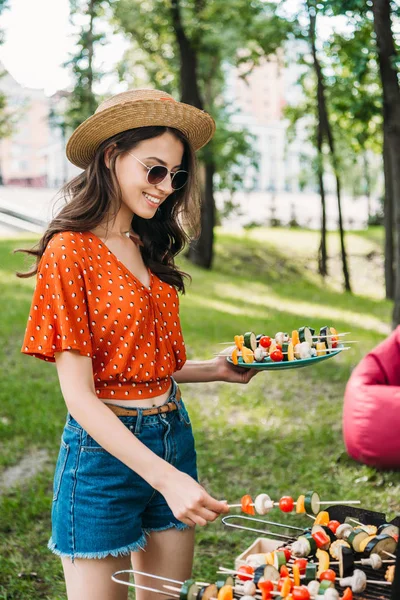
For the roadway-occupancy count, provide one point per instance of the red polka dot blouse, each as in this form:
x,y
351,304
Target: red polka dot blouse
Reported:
x,y
87,300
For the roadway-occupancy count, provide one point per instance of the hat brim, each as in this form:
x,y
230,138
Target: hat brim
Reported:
x,y
197,125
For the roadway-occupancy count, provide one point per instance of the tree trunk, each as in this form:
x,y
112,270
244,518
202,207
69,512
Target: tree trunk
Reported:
x,y
327,131
391,118
367,178
200,250
388,219
322,252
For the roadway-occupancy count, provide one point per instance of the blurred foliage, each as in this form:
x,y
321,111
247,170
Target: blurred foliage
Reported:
x,y
82,101
224,35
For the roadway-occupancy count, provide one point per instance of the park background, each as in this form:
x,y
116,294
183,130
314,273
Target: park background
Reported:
x,y
301,210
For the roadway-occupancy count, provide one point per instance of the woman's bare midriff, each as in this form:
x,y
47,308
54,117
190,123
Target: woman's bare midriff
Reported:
x,y
140,402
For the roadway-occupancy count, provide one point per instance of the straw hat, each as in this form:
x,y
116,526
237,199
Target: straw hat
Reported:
x,y
137,108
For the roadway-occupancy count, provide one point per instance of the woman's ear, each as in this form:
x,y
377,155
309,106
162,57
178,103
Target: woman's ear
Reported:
x,y
107,154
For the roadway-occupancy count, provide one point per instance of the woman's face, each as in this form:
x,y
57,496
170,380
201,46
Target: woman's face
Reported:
x,y
138,196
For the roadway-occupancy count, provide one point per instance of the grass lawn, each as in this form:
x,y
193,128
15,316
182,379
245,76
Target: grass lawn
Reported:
x,y
280,434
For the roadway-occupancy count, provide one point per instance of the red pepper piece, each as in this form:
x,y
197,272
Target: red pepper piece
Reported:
x,y
246,502
321,538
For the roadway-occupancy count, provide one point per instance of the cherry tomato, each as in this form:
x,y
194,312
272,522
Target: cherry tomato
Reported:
x,y
265,341
286,503
284,571
276,355
246,503
302,564
333,525
301,593
329,574
348,594
245,572
287,551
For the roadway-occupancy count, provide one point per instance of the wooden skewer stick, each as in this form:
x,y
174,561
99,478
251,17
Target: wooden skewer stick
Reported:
x,y
331,502
326,352
232,343
376,582
389,554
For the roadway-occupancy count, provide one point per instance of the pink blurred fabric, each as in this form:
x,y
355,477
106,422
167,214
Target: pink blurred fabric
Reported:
x,y
371,414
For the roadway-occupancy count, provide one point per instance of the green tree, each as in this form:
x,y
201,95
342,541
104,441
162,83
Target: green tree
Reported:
x,y
82,101
381,13
184,47
316,102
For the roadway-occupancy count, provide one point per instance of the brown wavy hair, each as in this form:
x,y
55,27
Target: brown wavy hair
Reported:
x,y
95,196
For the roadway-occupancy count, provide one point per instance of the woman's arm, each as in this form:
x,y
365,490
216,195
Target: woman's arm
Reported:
x,y
215,369
188,501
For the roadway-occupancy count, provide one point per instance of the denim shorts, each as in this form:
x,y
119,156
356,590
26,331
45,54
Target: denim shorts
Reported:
x,y
100,506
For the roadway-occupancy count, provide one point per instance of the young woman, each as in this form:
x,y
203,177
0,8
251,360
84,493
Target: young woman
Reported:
x,y
106,310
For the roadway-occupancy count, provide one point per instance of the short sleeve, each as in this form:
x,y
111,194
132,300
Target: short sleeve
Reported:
x,y
58,319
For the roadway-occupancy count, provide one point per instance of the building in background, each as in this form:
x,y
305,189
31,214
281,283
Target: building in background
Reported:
x,y
22,156
34,155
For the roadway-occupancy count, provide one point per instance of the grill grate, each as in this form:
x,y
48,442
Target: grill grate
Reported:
x,y
367,517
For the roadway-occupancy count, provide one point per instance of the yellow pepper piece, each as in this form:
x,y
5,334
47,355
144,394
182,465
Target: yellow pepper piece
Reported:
x,y
295,337
296,574
235,359
239,340
286,586
247,355
269,558
323,561
322,518
321,348
225,593
300,504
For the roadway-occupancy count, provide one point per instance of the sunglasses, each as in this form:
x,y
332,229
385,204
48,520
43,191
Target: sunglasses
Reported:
x,y
158,173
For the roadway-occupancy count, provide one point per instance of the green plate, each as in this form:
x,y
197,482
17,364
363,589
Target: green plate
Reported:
x,y
269,365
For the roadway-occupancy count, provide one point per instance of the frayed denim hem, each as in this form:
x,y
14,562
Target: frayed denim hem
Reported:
x,y
179,526
123,551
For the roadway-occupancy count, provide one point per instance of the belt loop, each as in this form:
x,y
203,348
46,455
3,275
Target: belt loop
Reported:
x,y
139,418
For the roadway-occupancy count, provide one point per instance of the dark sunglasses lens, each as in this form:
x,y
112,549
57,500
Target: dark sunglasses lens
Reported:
x,y
179,179
157,174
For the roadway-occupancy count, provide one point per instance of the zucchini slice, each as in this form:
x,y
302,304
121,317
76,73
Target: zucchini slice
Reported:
x,y
288,351
379,544
250,340
356,537
271,573
325,336
207,592
279,559
311,572
305,335
312,502
388,529
189,590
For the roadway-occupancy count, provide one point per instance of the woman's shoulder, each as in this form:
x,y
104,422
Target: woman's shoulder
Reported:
x,y
66,242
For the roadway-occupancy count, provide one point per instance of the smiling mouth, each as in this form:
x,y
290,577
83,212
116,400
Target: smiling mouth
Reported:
x,y
155,201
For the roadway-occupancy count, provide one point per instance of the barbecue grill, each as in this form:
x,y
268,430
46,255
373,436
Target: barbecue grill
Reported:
x,y
341,513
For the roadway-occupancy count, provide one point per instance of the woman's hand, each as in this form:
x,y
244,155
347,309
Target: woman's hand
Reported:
x,y
230,373
189,501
